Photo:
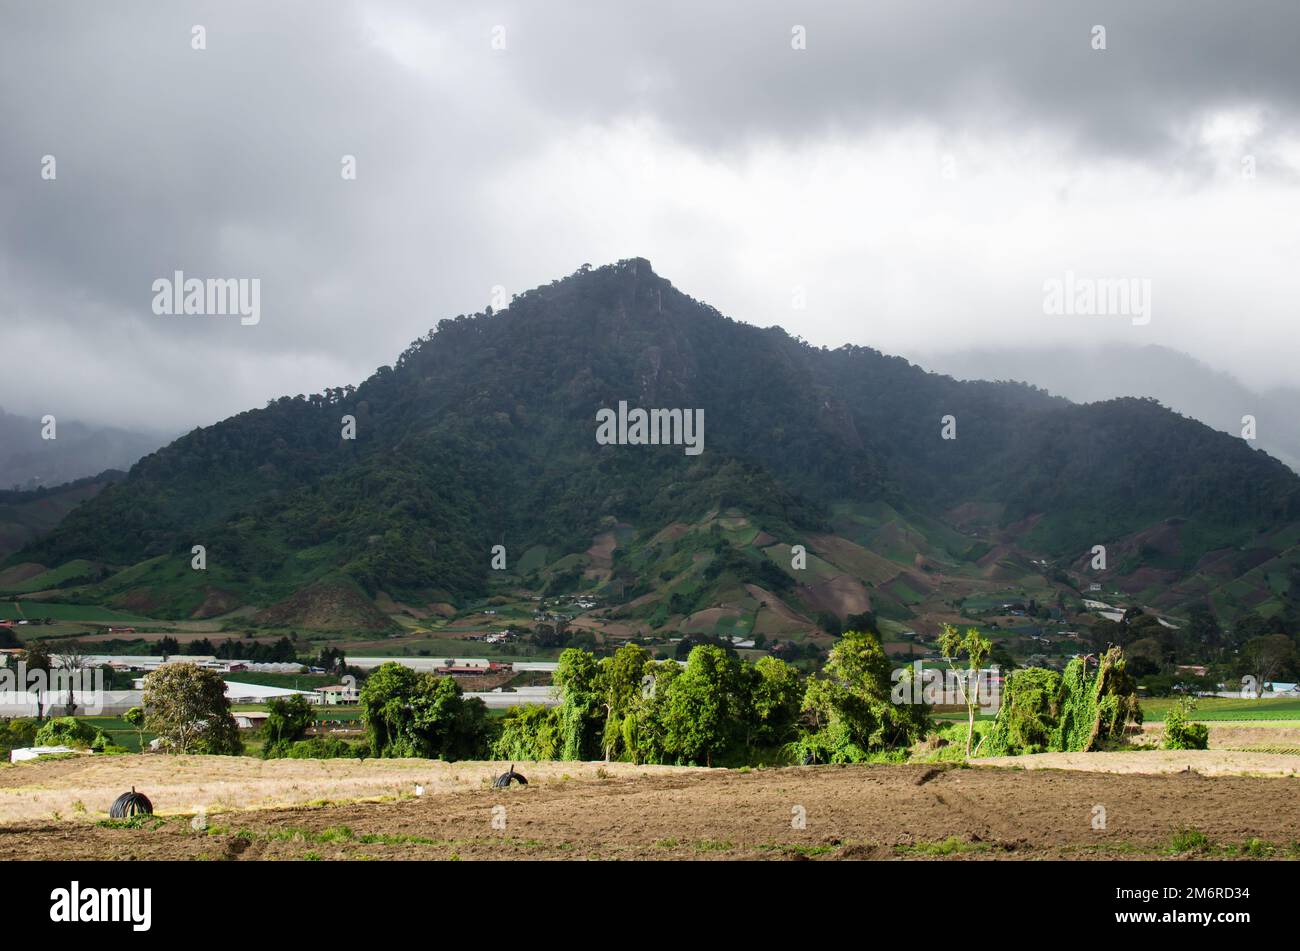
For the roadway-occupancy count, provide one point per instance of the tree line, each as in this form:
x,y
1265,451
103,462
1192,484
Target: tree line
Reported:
x,y
714,710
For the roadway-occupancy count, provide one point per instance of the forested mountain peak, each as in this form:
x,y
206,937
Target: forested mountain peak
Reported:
x,y
484,432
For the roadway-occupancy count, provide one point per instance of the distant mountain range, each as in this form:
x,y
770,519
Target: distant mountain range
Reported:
x,y
78,450
484,433
1183,383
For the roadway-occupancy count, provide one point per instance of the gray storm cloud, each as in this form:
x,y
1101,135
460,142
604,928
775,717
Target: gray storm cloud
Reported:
x,y
908,181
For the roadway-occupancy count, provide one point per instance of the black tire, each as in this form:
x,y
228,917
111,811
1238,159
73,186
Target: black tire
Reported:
x,y
130,804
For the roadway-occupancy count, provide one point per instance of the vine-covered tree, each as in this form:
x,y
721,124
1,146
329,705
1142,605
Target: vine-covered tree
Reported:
x,y
420,714
620,682
850,707
1042,711
578,681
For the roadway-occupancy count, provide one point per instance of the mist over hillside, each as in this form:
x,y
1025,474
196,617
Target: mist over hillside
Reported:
x,y
1107,371
29,460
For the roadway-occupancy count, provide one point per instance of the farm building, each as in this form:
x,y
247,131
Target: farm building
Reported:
x,y
250,719
433,663
20,703
148,662
257,693
523,696
463,670
335,694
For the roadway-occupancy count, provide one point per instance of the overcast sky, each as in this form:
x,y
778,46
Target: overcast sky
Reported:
x,y
917,173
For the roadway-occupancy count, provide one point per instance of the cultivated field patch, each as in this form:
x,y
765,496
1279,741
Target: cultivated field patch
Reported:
x,y
630,812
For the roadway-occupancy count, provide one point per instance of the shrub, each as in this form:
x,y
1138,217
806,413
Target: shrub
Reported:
x,y
323,747
69,731
103,744
1182,733
948,743
18,732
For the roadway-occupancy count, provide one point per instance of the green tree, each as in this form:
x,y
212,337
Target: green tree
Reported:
x,y
649,731
696,720
186,707
775,698
850,708
975,649
287,721
37,657
386,708
620,681
135,717
420,714
577,679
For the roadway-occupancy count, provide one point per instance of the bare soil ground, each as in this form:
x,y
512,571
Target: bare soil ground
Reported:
x,y
83,787
841,595
1203,762
20,573
707,620
663,813
601,554
1276,736
776,617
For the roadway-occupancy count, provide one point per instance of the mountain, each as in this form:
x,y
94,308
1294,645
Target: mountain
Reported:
x,y
1184,384
77,451
484,433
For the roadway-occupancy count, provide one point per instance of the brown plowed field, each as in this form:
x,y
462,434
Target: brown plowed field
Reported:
x,y
580,810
